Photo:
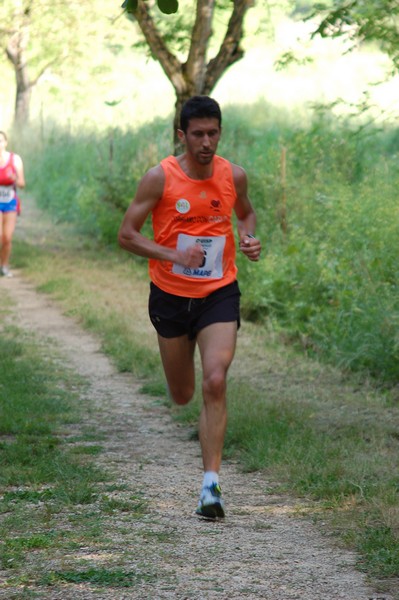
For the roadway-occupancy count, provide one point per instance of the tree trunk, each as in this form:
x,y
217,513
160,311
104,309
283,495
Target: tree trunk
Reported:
x,y
180,100
16,54
22,99
195,76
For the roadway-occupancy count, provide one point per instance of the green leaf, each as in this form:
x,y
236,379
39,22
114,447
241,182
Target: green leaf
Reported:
x,y
130,5
168,6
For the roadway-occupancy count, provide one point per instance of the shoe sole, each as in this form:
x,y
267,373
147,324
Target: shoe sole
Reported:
x,y
211,511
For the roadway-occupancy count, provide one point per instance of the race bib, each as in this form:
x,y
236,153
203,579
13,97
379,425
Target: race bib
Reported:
x,y
212,265
7,193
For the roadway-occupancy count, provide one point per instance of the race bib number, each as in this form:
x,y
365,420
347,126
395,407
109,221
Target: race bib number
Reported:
x,y
7,193
212,265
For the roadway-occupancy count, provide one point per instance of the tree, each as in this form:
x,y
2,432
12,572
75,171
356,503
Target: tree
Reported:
x,y
362,21
15,32
34,35
197,74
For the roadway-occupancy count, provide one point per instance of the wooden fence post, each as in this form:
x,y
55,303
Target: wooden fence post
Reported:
x,y
283,175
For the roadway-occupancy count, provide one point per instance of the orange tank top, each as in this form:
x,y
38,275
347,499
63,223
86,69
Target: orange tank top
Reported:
x,y
192,211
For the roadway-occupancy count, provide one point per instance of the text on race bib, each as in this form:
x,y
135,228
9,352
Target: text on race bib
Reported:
x,y
212,264
7,193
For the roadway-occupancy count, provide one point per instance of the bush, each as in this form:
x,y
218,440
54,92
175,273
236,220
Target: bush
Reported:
x,y
330,281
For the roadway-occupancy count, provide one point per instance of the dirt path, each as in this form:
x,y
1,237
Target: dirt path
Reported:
x,y
263,550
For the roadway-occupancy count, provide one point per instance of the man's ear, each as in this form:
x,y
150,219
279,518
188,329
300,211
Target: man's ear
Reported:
x,y
181,135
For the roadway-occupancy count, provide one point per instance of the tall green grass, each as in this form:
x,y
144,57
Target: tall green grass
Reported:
x,y
330,282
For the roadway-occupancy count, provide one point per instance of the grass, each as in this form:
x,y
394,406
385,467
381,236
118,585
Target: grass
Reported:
x,y
54,500
322,434
37,399
330,282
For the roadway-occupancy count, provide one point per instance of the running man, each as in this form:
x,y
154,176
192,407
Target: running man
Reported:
x,y
11,177
194,294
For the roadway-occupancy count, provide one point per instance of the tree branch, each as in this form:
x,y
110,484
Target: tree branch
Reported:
x,y
229,51
195,66
12,48
43,70
169,63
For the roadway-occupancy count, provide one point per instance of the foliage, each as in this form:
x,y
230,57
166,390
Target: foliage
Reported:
x,y
332,281
38,37
91,181
330,284
195,73
362,20
165,6
45,22
176,30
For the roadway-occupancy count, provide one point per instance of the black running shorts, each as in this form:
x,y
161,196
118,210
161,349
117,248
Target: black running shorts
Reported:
x,y
174,316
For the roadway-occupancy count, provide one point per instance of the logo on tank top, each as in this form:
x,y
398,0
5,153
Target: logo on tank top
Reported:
x,y
216,205
183,206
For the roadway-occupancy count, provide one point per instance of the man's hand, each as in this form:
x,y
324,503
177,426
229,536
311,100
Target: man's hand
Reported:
x,y
251,247
192,257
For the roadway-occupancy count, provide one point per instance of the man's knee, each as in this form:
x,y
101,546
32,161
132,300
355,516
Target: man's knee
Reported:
x,y
181,395
214,384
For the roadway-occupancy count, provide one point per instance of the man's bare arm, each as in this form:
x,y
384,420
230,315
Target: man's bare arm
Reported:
x,y
149,193
246,225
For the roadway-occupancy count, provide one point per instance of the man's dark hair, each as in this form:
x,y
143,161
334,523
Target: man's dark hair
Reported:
x,y
199,107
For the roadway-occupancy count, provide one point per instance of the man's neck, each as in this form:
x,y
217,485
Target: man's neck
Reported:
x,y
193,169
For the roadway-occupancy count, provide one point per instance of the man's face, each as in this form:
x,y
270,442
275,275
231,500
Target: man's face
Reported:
x,y
201,139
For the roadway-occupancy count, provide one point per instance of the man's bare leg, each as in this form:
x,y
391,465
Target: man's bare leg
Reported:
x,y
217,344
177,356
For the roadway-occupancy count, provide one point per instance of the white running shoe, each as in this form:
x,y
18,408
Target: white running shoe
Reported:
x,y
5,272
210,504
